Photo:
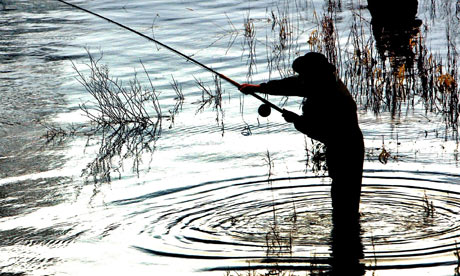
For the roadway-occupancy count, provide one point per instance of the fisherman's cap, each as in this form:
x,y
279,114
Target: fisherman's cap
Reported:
x,y
312,62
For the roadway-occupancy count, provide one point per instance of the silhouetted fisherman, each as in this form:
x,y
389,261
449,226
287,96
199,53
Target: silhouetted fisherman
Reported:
x,y
329,115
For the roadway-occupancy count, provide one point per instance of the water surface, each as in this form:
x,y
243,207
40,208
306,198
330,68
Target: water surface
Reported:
x,y
217,186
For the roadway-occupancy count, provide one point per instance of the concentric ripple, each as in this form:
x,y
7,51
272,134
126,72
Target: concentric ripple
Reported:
x,y
411,220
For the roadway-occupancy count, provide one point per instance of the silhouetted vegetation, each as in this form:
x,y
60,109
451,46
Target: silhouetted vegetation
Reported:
x,y
128,119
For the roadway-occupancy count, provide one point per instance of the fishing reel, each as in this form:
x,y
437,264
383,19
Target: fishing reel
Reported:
x,y
264,110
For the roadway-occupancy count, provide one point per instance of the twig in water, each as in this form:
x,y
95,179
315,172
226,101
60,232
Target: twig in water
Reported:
x,y
58,134
457,255
179,100
428,206
214,98
269,162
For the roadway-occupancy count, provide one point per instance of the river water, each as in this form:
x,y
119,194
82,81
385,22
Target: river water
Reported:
x,y
220,190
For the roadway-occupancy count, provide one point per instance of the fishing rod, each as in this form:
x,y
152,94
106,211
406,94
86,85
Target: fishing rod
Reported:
x,y
264,109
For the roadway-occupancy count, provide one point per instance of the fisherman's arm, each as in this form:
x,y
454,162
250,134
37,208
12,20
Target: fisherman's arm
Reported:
x,y
315,126
284,87
298,121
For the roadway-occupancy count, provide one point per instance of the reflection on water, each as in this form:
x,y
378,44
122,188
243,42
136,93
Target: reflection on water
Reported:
x,y
202,198
395,34
32,38
232,220
31,57
346,246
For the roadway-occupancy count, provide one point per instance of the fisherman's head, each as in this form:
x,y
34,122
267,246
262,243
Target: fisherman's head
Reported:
x,y
315,71
313,64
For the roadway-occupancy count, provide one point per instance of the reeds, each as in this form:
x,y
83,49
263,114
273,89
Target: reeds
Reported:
x,y
269,162
212,97
250,43
382,80
177,87
439,80
329,35
277,244
278,240
282,42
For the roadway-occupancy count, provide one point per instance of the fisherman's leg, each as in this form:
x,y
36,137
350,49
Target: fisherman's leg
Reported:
x,y
346,245
346,196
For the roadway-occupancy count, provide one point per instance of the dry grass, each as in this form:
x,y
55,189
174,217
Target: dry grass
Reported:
x,y
250,45
380,82
282,42
315,157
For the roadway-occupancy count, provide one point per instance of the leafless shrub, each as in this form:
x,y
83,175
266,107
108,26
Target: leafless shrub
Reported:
x,y
116,104
122,115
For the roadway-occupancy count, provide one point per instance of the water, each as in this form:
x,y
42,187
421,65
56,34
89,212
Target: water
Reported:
x,y
209,195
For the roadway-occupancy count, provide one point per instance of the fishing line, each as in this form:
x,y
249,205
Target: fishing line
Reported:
x,y
236,84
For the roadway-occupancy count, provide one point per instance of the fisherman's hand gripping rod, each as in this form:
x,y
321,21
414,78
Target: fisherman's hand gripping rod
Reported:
x,y
236,84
